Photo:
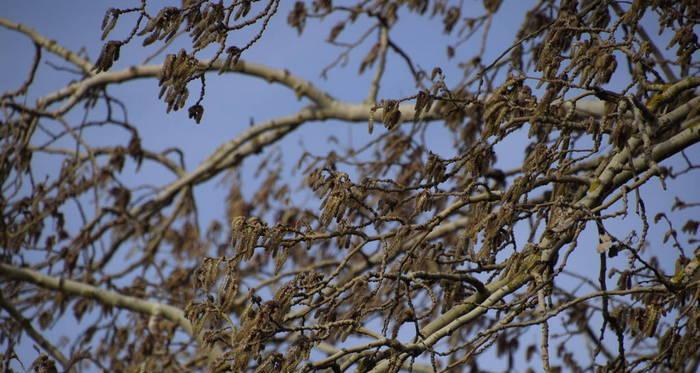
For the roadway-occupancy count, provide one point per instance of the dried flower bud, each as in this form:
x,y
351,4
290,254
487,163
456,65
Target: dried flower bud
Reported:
x,y
424,102
492,6
369,59
335,31
233,53
109,21
451,19
297,17
391,114
108,55
196,112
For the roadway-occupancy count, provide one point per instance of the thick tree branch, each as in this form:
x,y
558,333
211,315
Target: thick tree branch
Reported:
x,y
74,92
50,45
104,297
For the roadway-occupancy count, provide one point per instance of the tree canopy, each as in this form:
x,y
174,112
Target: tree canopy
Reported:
x,y
408,246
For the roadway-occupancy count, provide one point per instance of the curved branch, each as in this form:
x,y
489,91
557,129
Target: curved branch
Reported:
x,y
50,45
75,91
105,297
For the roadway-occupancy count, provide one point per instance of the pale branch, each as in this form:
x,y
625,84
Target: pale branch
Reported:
x,y
50,45
74,92
102,296
672,91
680,112
351,112
544,339
689,136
